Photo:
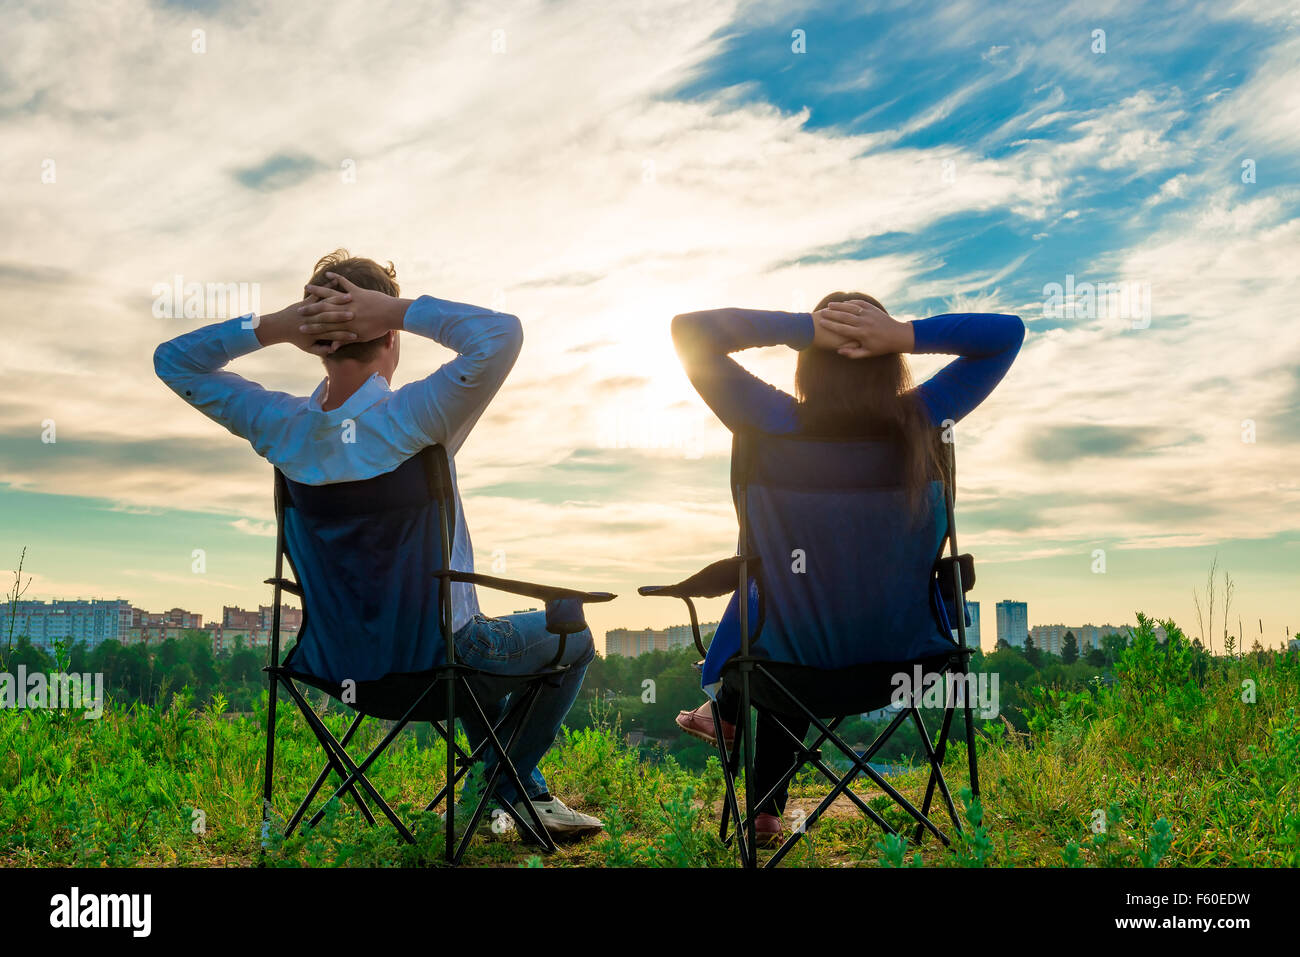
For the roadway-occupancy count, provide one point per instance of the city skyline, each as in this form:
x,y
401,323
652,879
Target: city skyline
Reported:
x,y
95,621
255,624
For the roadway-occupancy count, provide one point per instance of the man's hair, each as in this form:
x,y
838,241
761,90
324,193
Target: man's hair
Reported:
x,y
365,273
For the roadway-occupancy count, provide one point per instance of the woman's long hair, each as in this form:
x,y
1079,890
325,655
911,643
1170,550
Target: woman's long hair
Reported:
x,y
871,397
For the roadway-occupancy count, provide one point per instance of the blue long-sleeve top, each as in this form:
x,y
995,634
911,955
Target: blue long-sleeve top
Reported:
x,y
985,345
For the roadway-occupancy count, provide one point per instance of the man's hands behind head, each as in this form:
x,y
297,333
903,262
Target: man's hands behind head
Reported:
x,y
344,307
320,342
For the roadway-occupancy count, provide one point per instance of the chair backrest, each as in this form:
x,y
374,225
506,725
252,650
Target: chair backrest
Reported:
x,y
847,565
365,554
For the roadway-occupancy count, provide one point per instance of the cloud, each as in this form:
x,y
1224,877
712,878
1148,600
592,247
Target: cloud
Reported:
x,y
1065,443
569,280
281,171
612,166
260,529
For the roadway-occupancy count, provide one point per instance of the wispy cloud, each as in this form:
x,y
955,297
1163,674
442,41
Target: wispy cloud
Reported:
x,y
249,527
596,168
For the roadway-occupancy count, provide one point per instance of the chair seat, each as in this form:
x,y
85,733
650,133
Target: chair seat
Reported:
x,y
390,698
856,689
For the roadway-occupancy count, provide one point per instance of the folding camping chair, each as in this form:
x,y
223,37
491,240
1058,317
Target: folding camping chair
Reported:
x,y
852,589
371,562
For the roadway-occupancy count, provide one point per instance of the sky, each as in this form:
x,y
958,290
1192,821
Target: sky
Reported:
x,y
596,168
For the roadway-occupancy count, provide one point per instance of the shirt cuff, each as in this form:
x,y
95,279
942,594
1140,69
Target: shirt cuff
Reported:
x,y
925,335
239,336
804,328
423,316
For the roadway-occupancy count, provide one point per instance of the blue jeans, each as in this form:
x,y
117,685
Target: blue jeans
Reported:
x,y
518,645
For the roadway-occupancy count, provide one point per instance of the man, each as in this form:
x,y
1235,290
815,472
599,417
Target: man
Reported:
x,y
351,317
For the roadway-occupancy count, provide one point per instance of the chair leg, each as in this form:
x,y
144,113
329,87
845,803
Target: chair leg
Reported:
x,y
830,775
730,806
858,762
809,756
466,760
521,705
449,836
356,773
863,768
840,785
320,782
935,758
270,758
804,757
747,743
972,756
332,749
867,755
353,774
491,740
505,765
341,762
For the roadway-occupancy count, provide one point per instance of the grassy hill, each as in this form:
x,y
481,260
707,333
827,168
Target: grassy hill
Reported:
x,y
1184,760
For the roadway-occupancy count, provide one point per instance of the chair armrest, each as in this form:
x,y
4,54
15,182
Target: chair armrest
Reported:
x,y
564,614
709,582
944,571
293,588
527,589
714,580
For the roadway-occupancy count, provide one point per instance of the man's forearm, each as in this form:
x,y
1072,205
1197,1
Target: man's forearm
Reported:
x,y
277,327
395,313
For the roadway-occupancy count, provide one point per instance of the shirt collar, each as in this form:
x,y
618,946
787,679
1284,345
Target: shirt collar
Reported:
x,y
371,391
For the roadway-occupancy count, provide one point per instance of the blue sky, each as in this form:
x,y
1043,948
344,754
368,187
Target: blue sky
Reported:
x,y
596,168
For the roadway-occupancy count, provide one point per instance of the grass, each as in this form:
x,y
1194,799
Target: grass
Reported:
x,y
1186,760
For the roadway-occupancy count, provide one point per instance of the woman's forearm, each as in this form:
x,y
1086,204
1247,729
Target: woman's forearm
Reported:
x,y
973,334
738,398
986,345
722,331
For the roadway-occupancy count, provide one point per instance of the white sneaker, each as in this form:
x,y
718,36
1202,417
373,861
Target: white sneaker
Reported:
x,y
559,819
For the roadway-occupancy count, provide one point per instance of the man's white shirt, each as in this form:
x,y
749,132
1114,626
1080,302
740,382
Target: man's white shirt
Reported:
x,y
377,428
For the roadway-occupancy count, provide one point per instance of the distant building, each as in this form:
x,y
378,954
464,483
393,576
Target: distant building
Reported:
x,y
254,627
262,619
1013,622
90,621
1051,638
1087,637
629,644
95,621
973,629
153,628
233,616
177,617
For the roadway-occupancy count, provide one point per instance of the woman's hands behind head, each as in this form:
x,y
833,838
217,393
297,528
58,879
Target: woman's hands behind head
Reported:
x,y
858,330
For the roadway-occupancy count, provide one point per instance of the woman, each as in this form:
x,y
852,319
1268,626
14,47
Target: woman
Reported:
x,y
851,380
